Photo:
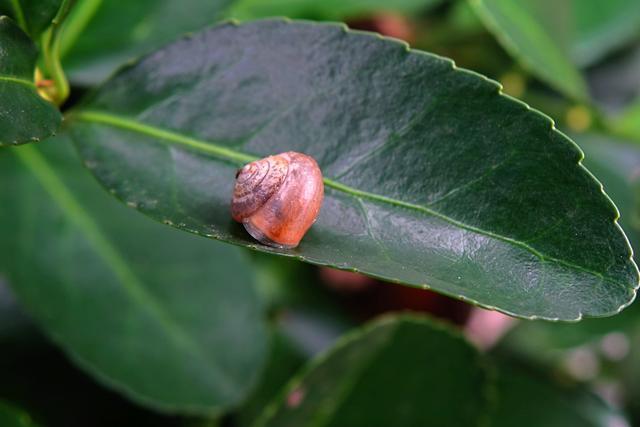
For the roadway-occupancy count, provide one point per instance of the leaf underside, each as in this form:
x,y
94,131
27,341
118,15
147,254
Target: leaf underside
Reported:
x,y
433,177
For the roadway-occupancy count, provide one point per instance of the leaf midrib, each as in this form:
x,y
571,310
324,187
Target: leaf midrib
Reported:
x,y
58,191
17,80
239,158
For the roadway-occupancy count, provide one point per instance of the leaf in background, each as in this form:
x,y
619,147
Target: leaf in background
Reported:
x,y
336,10
14,323
101,35
527,398
403,370
24,115
616,162
34,16
170,320
14,417
554,39
284,361
628,123
631,376
614,84
600,27
433,178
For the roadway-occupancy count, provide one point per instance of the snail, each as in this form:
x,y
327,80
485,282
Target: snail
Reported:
x,y
278,198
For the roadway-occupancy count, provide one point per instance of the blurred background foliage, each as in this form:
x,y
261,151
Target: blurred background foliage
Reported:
x,y
576,60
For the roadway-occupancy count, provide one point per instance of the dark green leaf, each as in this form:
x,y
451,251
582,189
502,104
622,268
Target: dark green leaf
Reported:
x,y
433,178
326,10
14,323
102,35
284,361
14,417
528,398
631,377
399,371
617,164
34,16
556,38
24,115
169,319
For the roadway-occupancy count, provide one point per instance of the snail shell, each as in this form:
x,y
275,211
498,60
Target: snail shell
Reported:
x,y
278,198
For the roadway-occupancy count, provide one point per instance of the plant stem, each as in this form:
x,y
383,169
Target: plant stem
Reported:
x,y
19,13
76,22
51,51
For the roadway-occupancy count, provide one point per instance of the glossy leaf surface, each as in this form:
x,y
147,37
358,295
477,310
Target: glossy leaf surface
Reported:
x,y
404,371
617,163
171,320
432,177
554,39
100,37
24,115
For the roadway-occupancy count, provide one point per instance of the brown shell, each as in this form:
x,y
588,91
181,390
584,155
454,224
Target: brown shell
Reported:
x,y
278,198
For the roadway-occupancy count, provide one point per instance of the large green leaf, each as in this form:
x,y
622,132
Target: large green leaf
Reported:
x,y
433,178
11,416
325,10
34,16
101,35
24,115
169,319
556,38
527,398
402,371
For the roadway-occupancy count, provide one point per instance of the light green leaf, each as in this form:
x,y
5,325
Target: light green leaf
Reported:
x,y
554,39
628,123
168,319
24,115
433,178
402,371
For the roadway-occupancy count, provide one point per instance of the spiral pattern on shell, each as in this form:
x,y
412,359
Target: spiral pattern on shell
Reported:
x,y
256,183
278,198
